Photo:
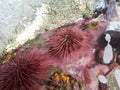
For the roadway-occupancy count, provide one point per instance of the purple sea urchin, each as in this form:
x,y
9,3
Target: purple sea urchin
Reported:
x,y
25,71
66,40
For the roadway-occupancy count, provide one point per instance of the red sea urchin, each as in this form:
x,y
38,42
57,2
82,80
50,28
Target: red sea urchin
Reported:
x,y
25,71
67,39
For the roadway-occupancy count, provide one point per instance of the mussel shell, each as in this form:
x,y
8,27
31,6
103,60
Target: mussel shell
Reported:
x,y
101,44
102,86
118,58
115,40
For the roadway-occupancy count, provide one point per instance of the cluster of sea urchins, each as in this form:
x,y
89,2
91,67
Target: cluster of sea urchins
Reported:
x,y
27,70
67,40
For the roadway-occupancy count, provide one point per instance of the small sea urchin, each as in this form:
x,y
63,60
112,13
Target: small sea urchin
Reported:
x,y
66,40
25,71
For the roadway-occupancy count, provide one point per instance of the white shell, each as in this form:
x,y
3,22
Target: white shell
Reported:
x,y
108,53
108,38
102,79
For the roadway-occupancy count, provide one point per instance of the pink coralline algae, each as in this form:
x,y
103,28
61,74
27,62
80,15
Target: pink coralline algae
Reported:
x,y
27,70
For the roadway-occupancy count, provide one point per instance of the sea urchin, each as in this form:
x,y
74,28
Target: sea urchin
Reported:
x,y
68,39
25,71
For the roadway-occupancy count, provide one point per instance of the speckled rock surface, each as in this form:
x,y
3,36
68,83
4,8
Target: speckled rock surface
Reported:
x,y
113,85
18,16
